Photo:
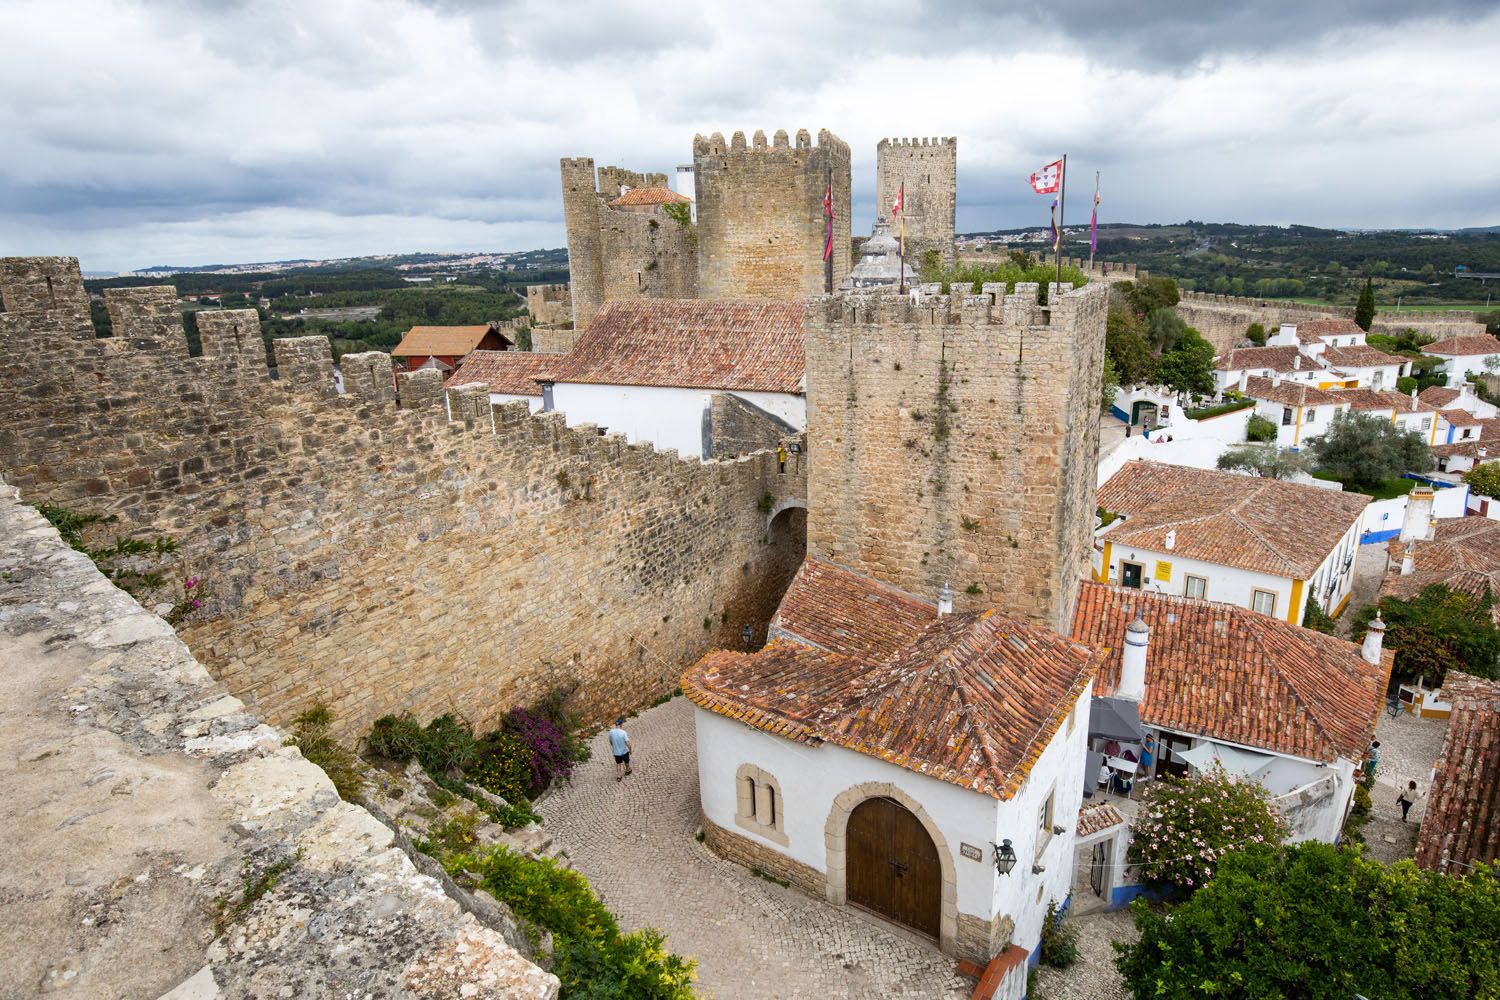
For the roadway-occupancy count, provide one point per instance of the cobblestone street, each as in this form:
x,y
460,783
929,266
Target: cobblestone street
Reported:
x,y
752,939
1408,748
1093,976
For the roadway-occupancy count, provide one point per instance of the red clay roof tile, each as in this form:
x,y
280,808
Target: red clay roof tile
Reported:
x,y
1462,824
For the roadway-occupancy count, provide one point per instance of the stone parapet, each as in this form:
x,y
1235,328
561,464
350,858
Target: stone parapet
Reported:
x,y
172,842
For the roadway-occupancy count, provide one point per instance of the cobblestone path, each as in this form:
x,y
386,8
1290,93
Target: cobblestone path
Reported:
x,y
752,939
1093,976
1408,748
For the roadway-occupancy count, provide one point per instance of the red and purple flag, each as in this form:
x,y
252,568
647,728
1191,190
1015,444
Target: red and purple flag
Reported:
x,y
1048,179
828,213
1094,223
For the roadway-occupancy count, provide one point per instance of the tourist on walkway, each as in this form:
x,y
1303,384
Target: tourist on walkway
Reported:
x,y
1372,760
619,745
1407,799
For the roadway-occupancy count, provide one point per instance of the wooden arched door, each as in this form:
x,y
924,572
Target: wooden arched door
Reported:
x,y
893,865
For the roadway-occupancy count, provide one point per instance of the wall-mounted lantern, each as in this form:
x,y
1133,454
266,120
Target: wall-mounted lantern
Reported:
x,y
1005,857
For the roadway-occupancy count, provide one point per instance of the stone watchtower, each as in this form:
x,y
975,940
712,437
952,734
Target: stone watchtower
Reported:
x,y
621,241
955,442
929,169
761,226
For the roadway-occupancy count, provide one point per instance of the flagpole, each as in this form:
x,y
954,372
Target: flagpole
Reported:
x,y
1062,214
828,221
1094,223
901,248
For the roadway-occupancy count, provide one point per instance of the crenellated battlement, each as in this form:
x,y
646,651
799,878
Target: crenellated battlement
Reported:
x,y
714,145
391,547
933,142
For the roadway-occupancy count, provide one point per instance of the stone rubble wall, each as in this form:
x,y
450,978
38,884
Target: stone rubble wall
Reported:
x,y
379,557
955,441
348,914
549,305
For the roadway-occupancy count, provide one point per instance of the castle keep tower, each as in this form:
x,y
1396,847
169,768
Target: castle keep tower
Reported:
x,y
956,442
621,241
760,214
929,168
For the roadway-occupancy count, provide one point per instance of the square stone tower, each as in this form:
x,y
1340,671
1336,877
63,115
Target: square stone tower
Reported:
x,y
956,441
929,169
761,227
622,251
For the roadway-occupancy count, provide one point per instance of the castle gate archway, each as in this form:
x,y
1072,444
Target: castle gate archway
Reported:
x,y
893,866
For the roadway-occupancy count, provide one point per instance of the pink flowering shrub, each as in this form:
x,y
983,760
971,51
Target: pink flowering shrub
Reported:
x,y
1187,825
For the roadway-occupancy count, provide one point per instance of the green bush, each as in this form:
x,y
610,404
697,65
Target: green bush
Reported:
x,y
591,958
395,737
448,744
310,734
1315,618
503,766
1059,939
1256,334
1314,922
1214,411
1405,384
1187,826
1260,429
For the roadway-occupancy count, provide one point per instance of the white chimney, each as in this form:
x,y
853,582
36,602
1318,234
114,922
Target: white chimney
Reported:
x,y
945,601
1275,379
1297,362
1244,380
1408,564
1171,539
1374,637
1418,520
1133,661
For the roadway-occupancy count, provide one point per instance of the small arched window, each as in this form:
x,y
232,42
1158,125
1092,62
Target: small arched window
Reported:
x,y
759,806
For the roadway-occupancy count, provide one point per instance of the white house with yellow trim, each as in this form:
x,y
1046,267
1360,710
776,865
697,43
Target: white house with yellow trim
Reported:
x,y
1263,544
1299,411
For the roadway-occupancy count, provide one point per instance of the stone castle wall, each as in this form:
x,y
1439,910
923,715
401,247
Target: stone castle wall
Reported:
x,y
549,305
1223,319
553,341
375,556
956,442
929,170
615,254
761,225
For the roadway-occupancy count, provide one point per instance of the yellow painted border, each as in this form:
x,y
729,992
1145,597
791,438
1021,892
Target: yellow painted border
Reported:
x,y
1297,602
1103,575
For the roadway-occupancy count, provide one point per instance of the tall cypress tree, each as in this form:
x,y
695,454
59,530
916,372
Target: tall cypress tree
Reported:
x,y
1364,311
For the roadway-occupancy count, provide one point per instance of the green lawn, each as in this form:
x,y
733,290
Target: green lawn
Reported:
x,y
1383,310
1388,490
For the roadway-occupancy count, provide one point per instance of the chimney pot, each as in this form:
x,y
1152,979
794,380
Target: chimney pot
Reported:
x,y
1374,638
1133,661
945,601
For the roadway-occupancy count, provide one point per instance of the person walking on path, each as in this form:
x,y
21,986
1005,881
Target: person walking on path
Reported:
x,y
1372,761
619,745
1407,799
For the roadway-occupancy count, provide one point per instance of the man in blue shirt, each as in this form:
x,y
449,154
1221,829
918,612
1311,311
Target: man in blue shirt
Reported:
x,y
619,745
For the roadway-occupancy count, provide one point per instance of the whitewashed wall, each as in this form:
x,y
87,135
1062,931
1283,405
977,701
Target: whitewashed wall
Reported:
x,y
668,418
535,402
1458,367
1228,584
1384,516
812,777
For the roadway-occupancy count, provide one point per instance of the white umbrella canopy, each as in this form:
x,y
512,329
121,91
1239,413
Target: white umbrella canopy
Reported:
x,y
1238,762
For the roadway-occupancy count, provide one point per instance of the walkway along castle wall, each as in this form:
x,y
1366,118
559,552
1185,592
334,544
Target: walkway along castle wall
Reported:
x,y
380,557
761,226
956,442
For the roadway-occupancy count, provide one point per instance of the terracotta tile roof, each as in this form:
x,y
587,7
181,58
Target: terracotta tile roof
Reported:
x,y
1461,418
838,610
1437,397
1360,356
1464,346
1277,359
1228,673
691,343
1288,392
1462,823
972,699
1100,817
1314,331
649,196
1468,449
512,372
452,341
1380,399
1265,525
1463,555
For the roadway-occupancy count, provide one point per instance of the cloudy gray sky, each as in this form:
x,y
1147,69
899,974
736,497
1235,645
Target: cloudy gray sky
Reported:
x,y
173,131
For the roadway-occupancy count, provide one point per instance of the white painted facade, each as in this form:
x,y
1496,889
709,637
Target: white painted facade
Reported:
x,y
1296,425
1309,373
812,777
534,402
667,417
1331,583
1456,367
